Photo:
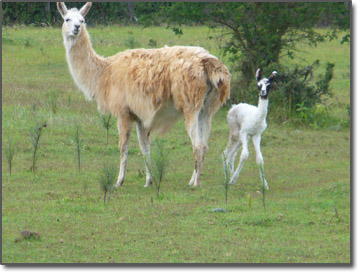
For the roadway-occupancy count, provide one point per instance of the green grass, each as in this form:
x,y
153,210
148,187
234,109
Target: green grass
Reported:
x,y
307,170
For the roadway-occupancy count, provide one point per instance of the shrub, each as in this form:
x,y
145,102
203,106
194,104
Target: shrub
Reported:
x,y
107,180
157,163
227,176
76,137
107,122
10,150
35,135
52,101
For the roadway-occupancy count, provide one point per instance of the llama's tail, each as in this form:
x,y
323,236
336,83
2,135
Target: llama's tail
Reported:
x,y
219,77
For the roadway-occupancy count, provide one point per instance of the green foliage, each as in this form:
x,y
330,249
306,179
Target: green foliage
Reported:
x,y
131,42
107,122
10,150
158,163
227,176
107,180
35,134
76,138
152,43
53,101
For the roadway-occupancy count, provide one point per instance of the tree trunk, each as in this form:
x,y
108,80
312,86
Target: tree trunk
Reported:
x,y
131,11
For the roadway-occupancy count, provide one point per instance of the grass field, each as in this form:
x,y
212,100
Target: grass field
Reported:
x,y
307,216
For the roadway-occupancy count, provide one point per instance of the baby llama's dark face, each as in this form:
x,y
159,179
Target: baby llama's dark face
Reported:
x,y
264,87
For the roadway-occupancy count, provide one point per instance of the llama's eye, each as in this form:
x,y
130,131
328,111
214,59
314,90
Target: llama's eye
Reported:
x,y
67,20
81,21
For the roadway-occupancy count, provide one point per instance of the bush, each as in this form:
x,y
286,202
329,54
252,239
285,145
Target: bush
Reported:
x,y
294,94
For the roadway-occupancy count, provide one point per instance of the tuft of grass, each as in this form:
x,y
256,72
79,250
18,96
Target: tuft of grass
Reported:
x,y
107,181
263,188
227,176
107,122
76,137
35,135
10,150
157,163
131,42
53,101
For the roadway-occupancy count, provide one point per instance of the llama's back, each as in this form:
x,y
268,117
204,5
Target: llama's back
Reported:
x,y
152,78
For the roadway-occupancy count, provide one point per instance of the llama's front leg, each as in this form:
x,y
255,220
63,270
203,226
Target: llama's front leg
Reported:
x,y
124,128
256,140
144,143
243,157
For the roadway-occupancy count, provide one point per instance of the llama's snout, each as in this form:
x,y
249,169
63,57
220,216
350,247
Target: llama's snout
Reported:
x,y
76,29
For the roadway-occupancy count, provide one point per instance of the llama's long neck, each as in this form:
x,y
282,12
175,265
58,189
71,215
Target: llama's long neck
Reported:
x,y
262,109
85,65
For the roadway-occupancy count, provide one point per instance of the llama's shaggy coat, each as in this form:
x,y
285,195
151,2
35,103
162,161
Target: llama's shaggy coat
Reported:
x,y
151,87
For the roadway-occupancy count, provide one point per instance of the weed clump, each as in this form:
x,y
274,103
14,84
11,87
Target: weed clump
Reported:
x,y
227,177
157,163
35,135
107,122
76,137
107,180
10,150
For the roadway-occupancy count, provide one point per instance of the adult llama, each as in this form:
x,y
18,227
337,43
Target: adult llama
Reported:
x,y
152,88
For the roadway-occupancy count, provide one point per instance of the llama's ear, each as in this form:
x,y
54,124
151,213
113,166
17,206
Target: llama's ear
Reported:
x,y
62,8
85,9
258,74
272,76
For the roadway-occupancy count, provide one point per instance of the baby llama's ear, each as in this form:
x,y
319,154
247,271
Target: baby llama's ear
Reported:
x,y
272,76
258,74
62,8
85,9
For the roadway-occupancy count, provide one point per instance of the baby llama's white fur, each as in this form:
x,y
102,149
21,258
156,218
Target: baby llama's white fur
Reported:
x,y
248,121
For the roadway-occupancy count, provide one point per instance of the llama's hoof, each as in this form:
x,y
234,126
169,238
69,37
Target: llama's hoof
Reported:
x,y
148,183
231,182
119,184
191,182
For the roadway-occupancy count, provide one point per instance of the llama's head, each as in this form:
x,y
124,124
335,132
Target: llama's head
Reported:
x,y
264,84
73,19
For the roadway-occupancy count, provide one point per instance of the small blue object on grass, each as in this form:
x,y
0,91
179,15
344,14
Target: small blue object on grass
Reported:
x,y
219,210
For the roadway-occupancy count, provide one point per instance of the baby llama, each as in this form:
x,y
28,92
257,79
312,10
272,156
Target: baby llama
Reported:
x,y
248,121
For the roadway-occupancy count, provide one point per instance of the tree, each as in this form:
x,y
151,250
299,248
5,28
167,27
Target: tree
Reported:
x,y
259,34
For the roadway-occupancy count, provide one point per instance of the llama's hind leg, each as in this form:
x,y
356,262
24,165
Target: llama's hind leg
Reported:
x,y
192,127
144,143
232,147
256,140
124,129
243,157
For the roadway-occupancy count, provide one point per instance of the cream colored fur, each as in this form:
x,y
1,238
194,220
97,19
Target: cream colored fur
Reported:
x,y
152,87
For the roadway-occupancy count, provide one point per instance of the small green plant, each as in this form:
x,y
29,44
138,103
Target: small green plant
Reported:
x,y
157,163
130,42
69,100
35,135
152,43
107,181
227,175
10,150
263,188
53,101
76,137
107,123
249,201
